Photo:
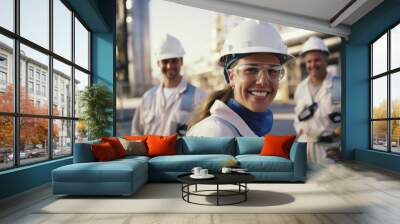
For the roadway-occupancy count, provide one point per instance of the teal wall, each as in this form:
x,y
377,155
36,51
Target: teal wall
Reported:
x,y
99,16
103,65
356,86
24,178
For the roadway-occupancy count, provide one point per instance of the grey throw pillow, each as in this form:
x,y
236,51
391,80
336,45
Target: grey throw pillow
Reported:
x,y
136,148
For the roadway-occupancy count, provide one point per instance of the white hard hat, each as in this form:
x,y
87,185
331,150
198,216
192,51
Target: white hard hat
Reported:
x,y
314,44
254,37
170,47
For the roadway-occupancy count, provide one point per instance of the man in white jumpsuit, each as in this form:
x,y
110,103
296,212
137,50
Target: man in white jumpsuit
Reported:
x,y
165,109
317,109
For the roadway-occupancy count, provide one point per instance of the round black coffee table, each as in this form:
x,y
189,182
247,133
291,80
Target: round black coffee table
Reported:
x,y
238,179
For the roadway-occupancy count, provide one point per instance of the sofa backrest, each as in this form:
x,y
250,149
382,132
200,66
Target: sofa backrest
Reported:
x,y
192,145
249,145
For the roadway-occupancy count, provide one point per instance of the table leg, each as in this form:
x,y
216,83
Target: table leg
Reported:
x,y
182,190
188,192
217,194
245,191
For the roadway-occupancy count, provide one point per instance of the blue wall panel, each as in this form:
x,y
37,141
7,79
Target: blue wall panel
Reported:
x,y
103,65
356,61
356,99
103,58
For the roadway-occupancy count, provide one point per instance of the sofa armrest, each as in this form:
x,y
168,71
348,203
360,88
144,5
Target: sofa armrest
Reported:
x,y
83,152
298,155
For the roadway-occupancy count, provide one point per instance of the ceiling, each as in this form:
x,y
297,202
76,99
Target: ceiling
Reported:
x,y
333,17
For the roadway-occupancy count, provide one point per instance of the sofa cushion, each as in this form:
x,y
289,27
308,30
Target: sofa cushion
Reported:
x,y
134,147
130,158
194,145
116,145
136,137
118,177
257,163
98,172
277,145
103,151
249,145
185,163
161,145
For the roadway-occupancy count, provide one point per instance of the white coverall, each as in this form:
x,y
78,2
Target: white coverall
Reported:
x,y
160,116
328,100
223,122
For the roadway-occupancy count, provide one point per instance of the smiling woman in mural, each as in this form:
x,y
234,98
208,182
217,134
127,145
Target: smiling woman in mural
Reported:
x,y
253,58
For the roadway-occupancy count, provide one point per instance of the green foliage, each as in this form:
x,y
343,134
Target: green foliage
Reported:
x,y
96,102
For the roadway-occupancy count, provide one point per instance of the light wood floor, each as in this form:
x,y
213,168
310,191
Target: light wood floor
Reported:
x,y
378,188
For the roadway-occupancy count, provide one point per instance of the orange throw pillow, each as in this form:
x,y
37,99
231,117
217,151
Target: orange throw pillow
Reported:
x,y
103,152
136,138
161,145
277,145
116,145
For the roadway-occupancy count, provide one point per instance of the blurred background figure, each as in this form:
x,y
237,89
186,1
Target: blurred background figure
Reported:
x,y
317,110
166,108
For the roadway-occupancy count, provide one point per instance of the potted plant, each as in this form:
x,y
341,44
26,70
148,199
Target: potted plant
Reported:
x,y
96,102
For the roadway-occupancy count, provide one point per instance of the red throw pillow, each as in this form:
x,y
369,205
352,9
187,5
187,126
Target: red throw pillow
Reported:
x,y
277,145
161,145
103,151
116,145
136,138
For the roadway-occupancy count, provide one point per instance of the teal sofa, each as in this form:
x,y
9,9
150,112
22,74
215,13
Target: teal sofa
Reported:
x,y
125,176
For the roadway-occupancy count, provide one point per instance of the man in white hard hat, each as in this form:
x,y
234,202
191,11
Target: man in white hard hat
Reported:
x,y
317,109
166,108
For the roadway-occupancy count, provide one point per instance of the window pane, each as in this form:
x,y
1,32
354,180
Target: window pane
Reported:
x,y
395,94
62,141
62,89
34,97
379,98
379,55
379,135
395,47
62,29
81,131
7,14
395,136
6,74
6,142
81,45
35,21
81,81
33,139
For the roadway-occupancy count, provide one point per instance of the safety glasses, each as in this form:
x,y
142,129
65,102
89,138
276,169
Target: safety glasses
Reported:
x,y
253,71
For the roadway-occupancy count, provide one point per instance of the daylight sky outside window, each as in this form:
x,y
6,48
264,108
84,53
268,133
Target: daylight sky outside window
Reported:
x,y
395,47
81,45
62,29
379,55
380,90
395,93
6,14
32,14
35,21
